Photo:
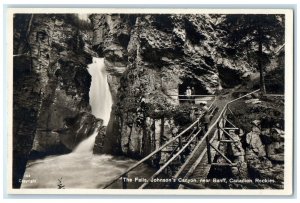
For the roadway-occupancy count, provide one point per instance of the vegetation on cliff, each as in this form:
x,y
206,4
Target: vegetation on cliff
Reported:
x,y
150,60
161,55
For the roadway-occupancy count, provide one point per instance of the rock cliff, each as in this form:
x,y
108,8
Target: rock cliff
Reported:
x,y
149,58
51,108
263,141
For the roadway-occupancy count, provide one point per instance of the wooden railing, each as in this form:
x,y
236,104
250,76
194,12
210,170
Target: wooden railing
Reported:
x,y
204,138
182,97
220,123
177,137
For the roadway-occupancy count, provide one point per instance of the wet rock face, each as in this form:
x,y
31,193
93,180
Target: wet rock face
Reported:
x,y
111,34
59,57
99,141
51,87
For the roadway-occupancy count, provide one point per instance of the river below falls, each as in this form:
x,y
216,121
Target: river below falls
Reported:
x,y
82,168
83,171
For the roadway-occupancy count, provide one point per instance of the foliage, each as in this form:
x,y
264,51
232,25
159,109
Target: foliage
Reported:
x,y
269,112
257,35
182,115
60,184
74,20
275,81
247,31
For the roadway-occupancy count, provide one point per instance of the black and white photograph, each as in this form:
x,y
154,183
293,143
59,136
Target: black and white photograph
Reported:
x,y
151,101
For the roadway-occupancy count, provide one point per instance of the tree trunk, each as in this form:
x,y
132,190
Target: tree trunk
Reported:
x,y
260,67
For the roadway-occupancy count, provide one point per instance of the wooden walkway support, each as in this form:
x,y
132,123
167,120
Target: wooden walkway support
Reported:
x,y
207,145
168,143
201,157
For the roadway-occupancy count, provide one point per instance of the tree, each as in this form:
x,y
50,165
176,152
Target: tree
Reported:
x,y
60,184
258,34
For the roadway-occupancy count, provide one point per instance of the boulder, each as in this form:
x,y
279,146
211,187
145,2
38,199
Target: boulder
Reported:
x,y
255,144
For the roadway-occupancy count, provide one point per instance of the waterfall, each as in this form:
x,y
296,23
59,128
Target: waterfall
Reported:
x,y
87,145
100,97
100,101
82,169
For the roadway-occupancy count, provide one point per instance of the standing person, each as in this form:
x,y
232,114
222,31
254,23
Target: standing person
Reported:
x,y
188,94
197,113
193,93
205,118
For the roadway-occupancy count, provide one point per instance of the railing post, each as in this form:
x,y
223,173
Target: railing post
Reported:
x,y
200,133
180,142
180,146
208,150
224,115
219,131
125,181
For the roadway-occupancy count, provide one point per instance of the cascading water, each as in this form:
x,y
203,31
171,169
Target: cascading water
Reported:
x,y
87,145
100,97
82,168
100,101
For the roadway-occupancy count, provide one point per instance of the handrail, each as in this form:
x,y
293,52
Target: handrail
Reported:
x,y
186,99
157,150
198,145
170,160
152,153
188,159
193,95
210,129
242,96
179,135
223,110
172,153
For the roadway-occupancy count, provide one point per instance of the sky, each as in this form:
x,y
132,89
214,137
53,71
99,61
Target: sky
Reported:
x,y
83,16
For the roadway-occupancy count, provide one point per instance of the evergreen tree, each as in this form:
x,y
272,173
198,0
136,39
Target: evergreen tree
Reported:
x,y
257,34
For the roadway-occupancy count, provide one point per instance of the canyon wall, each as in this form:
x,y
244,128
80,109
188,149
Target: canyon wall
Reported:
x,y
151,58
51,83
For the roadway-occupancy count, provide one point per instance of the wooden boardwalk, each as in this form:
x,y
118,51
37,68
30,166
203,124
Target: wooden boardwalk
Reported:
x,y
198,163
196,166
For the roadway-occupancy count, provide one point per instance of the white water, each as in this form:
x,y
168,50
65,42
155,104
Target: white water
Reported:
x,y
82,168
100,96
100,101
85,171
86,146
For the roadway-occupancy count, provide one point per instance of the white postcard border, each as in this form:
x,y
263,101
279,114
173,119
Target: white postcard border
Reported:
x,y
289,96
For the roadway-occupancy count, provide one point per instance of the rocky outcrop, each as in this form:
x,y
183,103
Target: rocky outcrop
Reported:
x,y
264,155
149,58
255,146
111,34
274,141
99,141
259,154
51,87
